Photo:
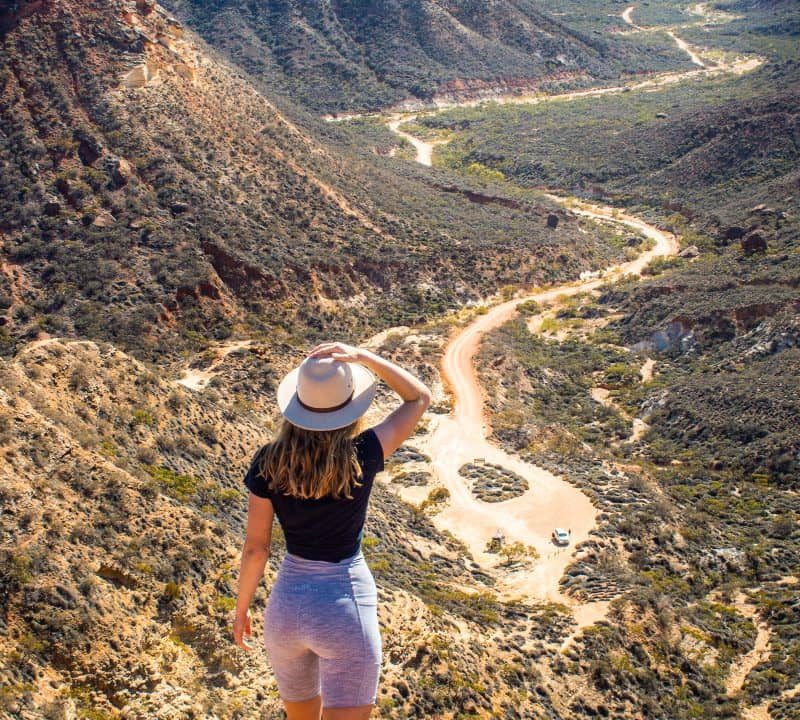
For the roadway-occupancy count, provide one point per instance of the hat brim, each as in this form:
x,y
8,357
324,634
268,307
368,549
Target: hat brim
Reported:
x,y
364,388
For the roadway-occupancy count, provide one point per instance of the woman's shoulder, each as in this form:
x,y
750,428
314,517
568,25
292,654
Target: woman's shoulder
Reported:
x,y
254,479
366,438
258,456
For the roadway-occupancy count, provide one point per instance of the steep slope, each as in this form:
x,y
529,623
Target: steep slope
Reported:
x,y
119,545
151,196
121,191
352,54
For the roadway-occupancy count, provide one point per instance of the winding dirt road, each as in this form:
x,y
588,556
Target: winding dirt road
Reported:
x,y
603,396
761,647
699,9
626,17
424,149
683,45
460,438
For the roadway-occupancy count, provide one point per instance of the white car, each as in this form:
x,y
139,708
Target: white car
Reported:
x,y
560,536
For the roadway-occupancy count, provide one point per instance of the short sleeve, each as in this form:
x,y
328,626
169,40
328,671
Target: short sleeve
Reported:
x,y
370,452
256,483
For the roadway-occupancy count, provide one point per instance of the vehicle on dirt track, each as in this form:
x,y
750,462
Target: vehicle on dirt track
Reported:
x,y
560,536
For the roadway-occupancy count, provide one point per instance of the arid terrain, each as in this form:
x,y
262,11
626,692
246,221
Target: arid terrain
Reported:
x,y
579,224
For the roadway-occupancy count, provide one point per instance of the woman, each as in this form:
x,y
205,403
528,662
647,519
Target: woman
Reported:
x,y
320,623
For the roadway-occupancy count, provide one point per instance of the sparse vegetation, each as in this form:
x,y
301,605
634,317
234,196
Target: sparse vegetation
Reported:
x,y
181,486
230,213
436,497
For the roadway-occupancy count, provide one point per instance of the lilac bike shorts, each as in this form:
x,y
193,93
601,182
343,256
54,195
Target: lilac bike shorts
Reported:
x,y
321,631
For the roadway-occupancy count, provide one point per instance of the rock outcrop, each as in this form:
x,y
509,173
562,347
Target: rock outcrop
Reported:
x,y
753,243
141,75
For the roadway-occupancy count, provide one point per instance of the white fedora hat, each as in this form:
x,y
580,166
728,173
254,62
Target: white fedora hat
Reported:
x,y
325,394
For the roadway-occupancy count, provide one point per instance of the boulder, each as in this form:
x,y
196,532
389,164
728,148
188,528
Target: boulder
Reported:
x,y
197,291
89,148
141,75
119,170
690,252
166,41
145,7
127,39
136,78
734,232
104,219
179,207
633,241
552,221
753,243
174,27
52,207
72,190
762,210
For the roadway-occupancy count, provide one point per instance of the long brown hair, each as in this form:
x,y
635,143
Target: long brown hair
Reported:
x,y
311,463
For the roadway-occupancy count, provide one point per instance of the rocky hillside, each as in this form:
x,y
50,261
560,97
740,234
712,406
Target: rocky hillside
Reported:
x,y
154,201
711,154
673,403
124,513
351,55
151,196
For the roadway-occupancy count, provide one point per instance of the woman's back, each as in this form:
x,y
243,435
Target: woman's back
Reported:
x,y
324,528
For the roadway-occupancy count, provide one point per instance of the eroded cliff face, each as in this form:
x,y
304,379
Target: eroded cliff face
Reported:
x,y
129,152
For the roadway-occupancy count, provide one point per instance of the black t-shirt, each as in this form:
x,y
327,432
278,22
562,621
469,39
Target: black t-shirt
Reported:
x,y
324,528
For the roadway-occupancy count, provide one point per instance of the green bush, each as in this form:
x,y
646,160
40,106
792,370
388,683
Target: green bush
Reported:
x,y
141,416
172,590
177,485
658,265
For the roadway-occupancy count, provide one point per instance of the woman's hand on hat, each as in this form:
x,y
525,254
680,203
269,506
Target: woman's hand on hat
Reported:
x,y
337,351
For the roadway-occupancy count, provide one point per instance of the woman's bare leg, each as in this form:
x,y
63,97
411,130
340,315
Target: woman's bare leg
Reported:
x,y
305,710
362,712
